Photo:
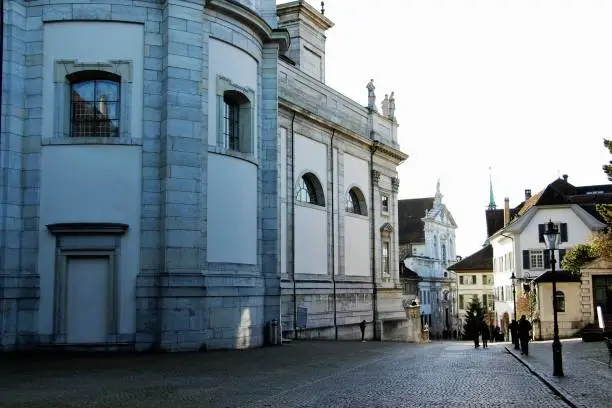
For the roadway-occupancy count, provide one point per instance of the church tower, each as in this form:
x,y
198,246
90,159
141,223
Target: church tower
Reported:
x,y
492,205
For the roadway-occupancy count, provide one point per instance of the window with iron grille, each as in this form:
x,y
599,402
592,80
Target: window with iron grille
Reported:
x,y
231,117
95,99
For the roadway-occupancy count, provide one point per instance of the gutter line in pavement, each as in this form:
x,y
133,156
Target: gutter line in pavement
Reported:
x,y
568,399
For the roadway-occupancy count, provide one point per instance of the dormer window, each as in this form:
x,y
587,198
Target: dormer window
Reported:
x,y
94,104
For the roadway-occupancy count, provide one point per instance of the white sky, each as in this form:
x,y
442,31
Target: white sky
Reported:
x,y
522,86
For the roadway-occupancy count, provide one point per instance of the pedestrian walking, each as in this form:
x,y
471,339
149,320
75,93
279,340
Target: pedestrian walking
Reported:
x,y
524,329
475,334
486,335
362,326
514,334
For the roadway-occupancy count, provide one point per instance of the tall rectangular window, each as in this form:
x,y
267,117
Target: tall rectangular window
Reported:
x,y
461,280
473,279
231,128
384,203
485,300
461,302
385,258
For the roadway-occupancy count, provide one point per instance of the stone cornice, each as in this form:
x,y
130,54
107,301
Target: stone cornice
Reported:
x,y
252,20
312,15
394,155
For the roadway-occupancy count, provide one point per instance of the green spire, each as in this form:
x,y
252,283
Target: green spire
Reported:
x,y
492,205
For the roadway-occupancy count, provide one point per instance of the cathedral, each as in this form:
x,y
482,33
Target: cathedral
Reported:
x,y
178,176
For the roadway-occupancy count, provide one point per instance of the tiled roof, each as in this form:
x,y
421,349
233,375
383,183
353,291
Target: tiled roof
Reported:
x,y
495,219
481,259
530,202
557,192
411,227
560,276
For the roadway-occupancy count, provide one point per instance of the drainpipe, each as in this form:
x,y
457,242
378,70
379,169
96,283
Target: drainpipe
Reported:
x,y
295,332
513,268
373,150
4,316
333,232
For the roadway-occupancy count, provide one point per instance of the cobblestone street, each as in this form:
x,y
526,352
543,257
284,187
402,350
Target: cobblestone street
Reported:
x,y
302,374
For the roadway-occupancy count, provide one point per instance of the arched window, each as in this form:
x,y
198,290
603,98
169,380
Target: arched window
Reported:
x,y
355,202
309,190
94,104
236,121
560,301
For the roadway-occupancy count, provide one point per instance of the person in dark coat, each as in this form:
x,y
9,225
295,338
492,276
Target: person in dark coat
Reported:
x,y
486,335
362,326
514,334
475,333
524,329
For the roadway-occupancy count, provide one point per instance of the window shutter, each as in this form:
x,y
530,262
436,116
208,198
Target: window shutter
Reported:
x,y
561,255
563,232
546,259
525,259
541,230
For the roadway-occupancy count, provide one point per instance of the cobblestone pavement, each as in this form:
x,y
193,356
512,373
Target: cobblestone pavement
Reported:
x,y
587,379
302,374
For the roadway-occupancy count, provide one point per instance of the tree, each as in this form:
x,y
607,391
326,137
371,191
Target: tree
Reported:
x,y
577,257
600,244
474,318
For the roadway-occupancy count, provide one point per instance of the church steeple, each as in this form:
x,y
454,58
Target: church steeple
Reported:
x,y
492,205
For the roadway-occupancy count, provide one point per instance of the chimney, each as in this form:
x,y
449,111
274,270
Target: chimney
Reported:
x,y
306,26
506,211
527,194
565,178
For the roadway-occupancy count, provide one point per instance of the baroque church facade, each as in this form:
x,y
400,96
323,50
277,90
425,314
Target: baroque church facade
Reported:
x,y
427,248
178,176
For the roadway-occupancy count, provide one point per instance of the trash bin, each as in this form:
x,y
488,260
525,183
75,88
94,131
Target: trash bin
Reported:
x,y
272,332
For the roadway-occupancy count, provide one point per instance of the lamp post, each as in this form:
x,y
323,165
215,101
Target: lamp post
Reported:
x,y
513,279
552,235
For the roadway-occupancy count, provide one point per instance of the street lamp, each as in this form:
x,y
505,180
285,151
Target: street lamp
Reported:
x,y
513,279
552,235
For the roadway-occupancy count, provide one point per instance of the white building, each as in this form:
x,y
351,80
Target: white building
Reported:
x,y
178,176
427,246
519,246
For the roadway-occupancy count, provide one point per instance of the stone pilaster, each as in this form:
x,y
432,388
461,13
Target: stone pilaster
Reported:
x,y
270,198
181,309
11,137
150,219
395,221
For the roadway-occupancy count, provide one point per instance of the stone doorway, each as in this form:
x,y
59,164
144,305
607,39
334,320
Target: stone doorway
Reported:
x,y
87,299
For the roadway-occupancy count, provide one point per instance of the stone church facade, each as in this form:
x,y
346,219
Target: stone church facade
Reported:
x,y
177,176
428,247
